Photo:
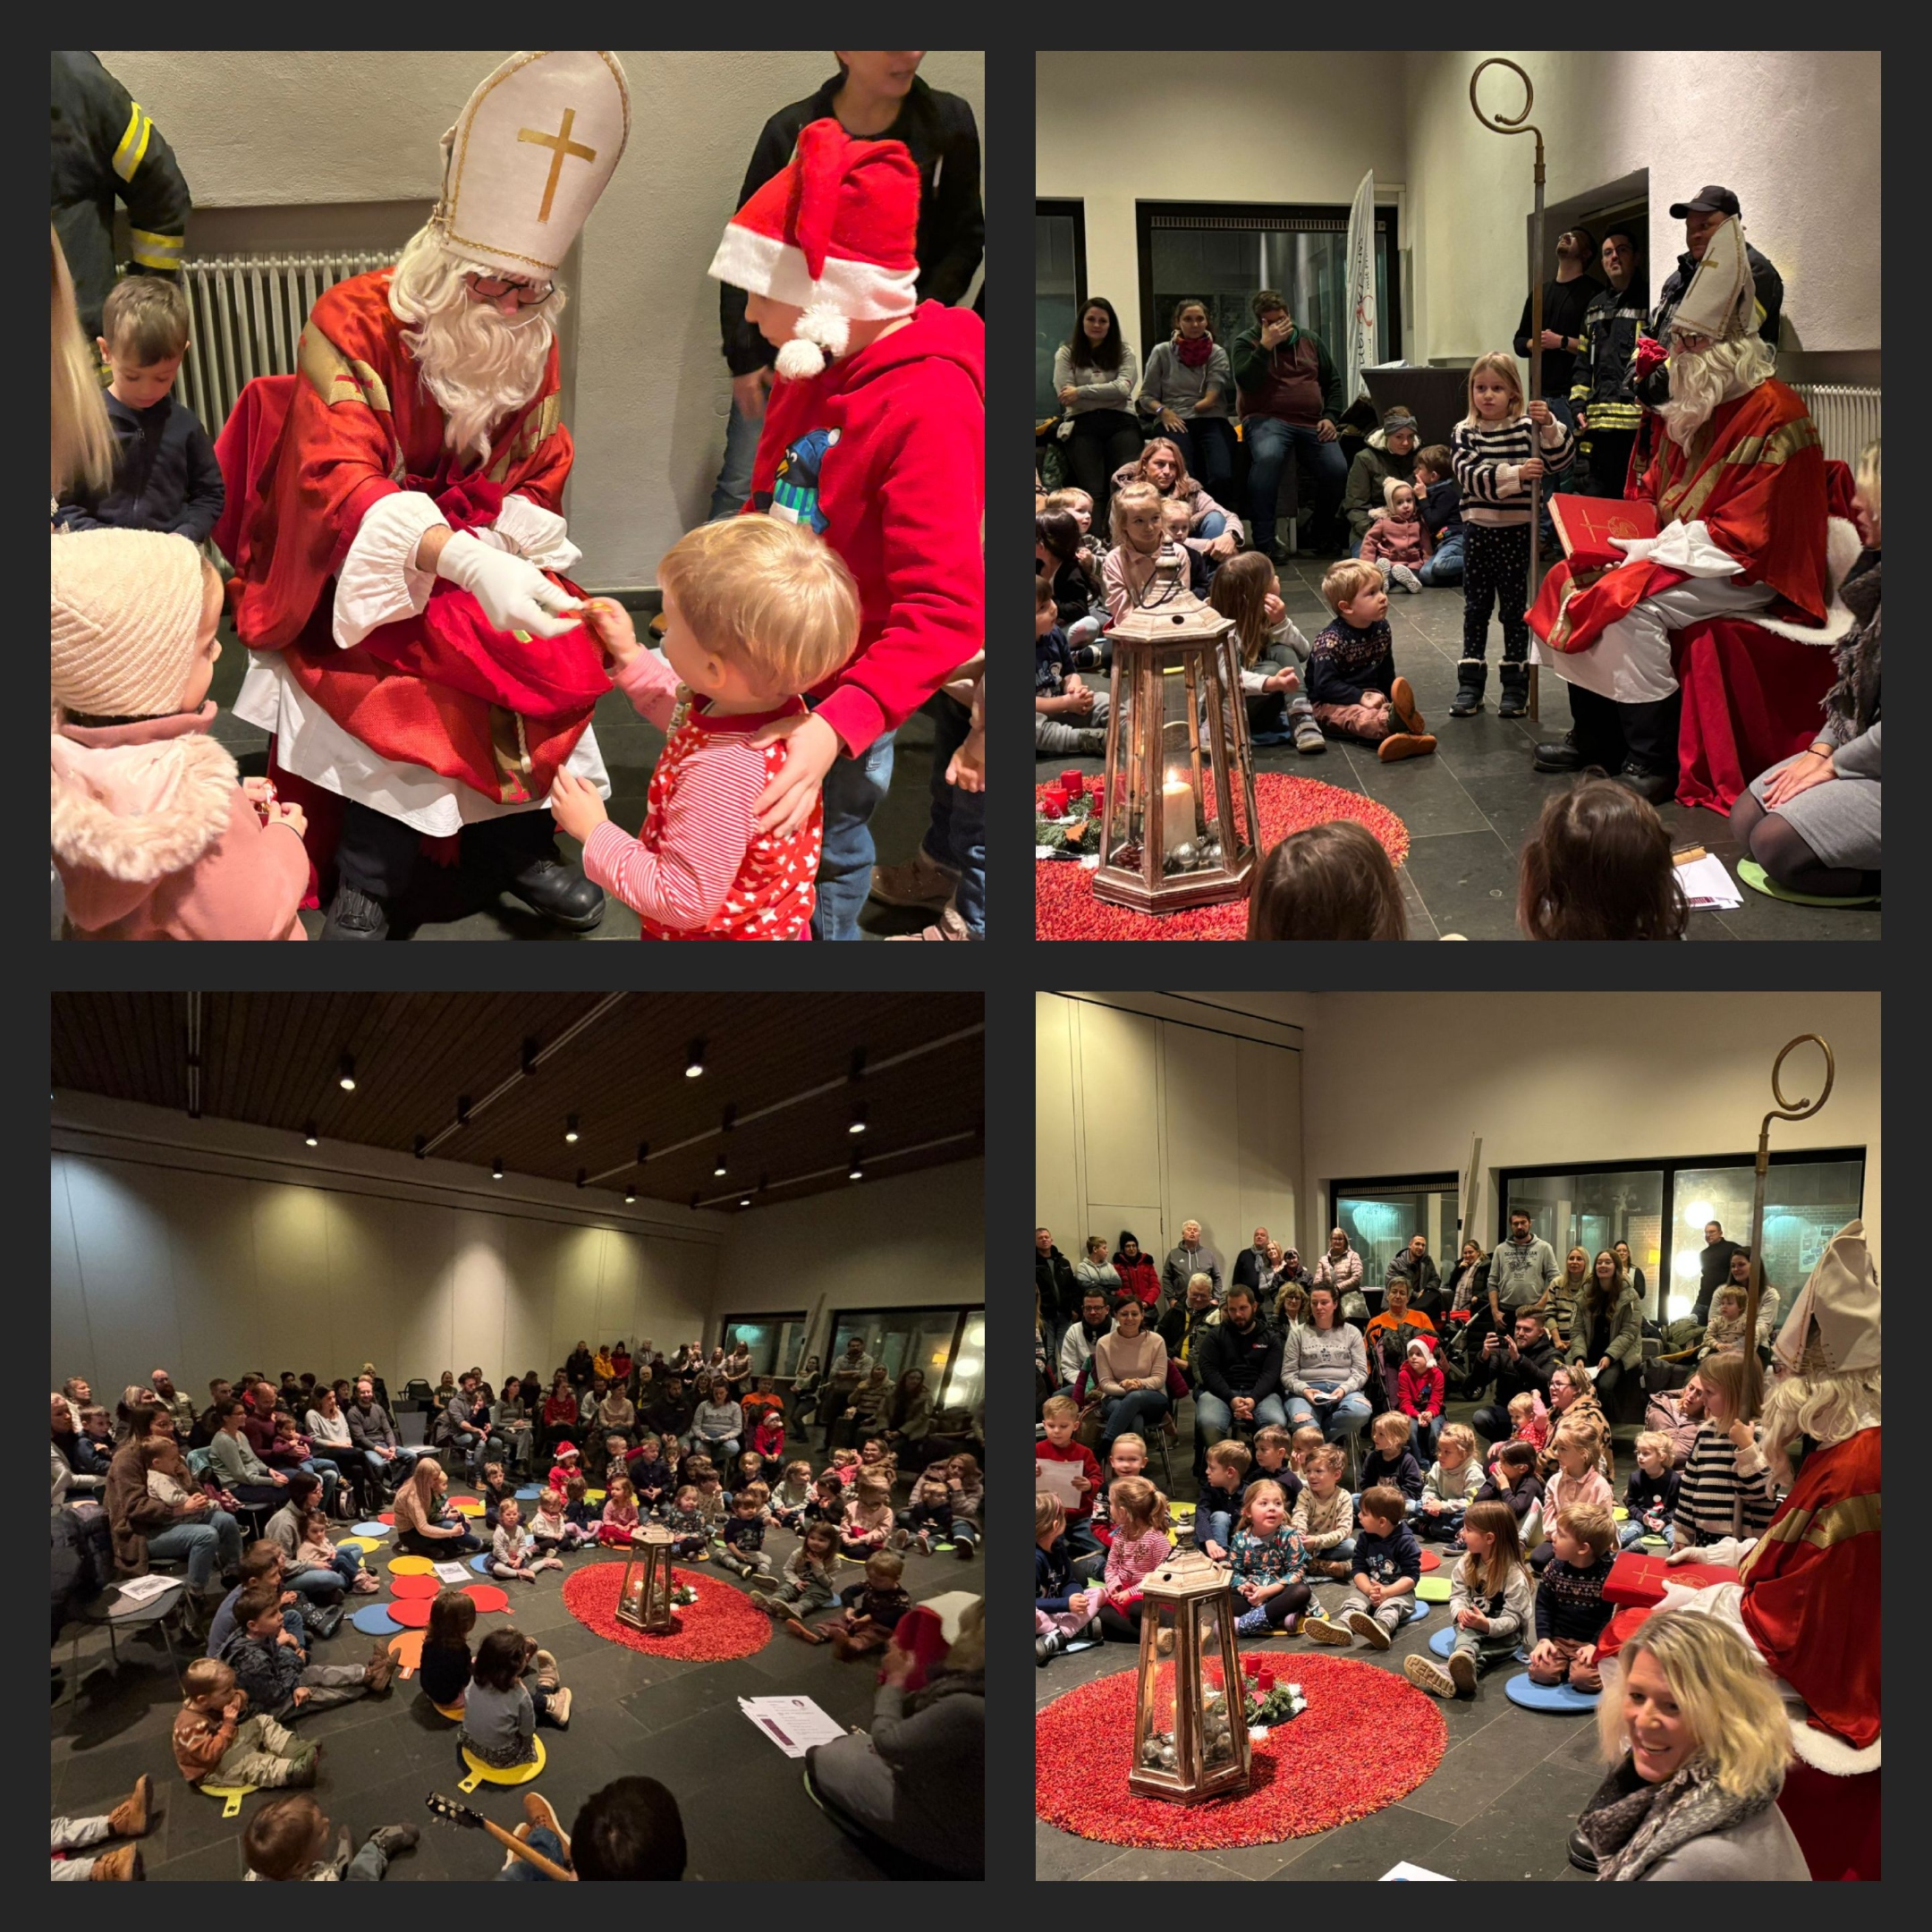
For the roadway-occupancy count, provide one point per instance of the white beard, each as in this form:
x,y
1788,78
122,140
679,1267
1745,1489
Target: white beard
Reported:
x,y
1828,1408
1699,382
478,365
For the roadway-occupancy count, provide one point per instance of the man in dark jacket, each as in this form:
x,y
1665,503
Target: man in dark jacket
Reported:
x,y
876,96
1714,1266
106,149
1053,1275
1250,1261
1415,1266
1290,398
1240,1378
1526,1359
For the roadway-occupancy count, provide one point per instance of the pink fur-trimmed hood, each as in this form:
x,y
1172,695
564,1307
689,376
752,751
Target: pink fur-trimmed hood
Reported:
x,y
139,802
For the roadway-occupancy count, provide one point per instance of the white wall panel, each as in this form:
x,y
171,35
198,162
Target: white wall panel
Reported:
x,y
217,1308
362,1322
73,1343
1117,1064
421,1240
477,1291
1199,1118
1267,1143
1056,1155
573,1311
618,1287
125,1272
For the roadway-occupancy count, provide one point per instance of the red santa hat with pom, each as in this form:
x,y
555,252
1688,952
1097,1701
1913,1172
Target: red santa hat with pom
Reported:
x,y
831,234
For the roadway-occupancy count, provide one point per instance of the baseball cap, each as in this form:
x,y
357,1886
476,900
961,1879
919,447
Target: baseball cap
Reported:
x,y
1705,201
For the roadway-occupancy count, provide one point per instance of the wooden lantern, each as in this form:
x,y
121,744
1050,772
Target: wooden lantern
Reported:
x,y
1203,1753
1178,759
644,1599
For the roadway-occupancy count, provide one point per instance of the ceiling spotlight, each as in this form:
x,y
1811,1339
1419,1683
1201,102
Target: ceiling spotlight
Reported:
x,y
346,1078
746,1202
583,1175
694,1199
630,1195
694,1060
719,1167
422,1147
569,1127
496,1172
463,1110
856,1172
858,1119
309,1134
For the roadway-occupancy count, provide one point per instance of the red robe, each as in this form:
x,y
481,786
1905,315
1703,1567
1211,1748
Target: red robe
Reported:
x,y
444,690
1754,474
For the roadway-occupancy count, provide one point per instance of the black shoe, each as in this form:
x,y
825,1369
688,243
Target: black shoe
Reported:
x,y
560,893
355,915
1659,787
1581,1854
1565,756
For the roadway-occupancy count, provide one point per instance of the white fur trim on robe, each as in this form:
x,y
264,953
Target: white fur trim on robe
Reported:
x,y
312,745
1682,546
540,535
378,582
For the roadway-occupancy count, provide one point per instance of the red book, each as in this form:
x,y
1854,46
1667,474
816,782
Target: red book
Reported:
x,y
1586,524
1639,1580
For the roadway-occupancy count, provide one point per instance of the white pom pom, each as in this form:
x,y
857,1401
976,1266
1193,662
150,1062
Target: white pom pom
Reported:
x,y
823,324
798,359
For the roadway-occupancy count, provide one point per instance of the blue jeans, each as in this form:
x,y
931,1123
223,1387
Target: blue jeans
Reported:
x,y
1446,567
1340,1419
719,1449
956,838
1216,1526
1125,1414
317,1584
1271,443
1213,1418
734,473
542,1839
198,1542
853,788
1207,446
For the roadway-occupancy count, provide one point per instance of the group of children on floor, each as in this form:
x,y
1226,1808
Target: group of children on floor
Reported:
x,y
1599,865
1530,1539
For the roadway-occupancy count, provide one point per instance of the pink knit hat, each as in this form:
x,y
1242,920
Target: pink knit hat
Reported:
x,y
126,610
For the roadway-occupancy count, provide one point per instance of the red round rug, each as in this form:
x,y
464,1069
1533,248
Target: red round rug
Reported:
x,y
406,1586
1064,906
1367,1739
720,1624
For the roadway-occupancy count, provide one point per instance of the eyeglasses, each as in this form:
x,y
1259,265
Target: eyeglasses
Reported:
x,y
494,288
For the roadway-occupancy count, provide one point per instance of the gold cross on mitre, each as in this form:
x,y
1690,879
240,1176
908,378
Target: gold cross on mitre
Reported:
x,y
560,144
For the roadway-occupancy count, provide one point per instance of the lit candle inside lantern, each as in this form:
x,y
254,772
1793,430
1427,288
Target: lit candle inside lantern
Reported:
x,y
1177,813
1074,781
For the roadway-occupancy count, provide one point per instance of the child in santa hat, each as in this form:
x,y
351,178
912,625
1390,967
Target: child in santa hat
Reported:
x,y
874,437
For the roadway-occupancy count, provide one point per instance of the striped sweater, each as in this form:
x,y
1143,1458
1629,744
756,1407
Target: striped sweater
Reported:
x,y
1725,1491
1488,467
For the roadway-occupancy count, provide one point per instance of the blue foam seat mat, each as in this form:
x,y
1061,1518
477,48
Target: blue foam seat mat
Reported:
x,y
528,1492
373,1620
1444,1642
370,1528
1559,1698
480,1563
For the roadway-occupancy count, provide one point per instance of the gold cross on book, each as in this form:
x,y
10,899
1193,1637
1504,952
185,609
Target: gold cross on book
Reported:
x,y
560,144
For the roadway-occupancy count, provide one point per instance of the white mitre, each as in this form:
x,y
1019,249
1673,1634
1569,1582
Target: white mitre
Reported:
x,y
1832,1327
1721,302
527,158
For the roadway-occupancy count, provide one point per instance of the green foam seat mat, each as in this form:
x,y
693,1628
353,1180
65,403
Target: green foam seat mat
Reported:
x,y
1434,1589
1750,873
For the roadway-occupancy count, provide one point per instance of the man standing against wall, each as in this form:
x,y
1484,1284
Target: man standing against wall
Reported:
x,y
1190,1258
1603,391
1567,302
1714,1266
1521,1271
1053,1275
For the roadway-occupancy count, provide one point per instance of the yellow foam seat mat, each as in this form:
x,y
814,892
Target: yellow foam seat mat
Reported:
x,y
363,1543
230,1796
454,1712
1619,1514
593,1495
484,1774
410,1566
1433,1588
466,1506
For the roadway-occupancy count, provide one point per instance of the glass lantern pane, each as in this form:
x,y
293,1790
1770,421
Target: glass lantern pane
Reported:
x,y
1183,762
1217,1735
1155,1727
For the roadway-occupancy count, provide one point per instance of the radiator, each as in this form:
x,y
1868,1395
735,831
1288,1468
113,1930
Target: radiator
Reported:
x,y
1846,415
245,318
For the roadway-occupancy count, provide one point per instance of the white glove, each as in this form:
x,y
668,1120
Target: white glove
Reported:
x,y
514,593
1727,1553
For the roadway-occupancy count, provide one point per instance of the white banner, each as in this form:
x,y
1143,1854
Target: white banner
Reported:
x,y
1361,349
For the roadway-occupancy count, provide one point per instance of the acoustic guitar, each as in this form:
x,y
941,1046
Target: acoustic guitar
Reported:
x,y
447,1808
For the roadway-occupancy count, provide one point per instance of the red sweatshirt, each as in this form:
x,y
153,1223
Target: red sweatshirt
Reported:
x,y
899,496
1075,1451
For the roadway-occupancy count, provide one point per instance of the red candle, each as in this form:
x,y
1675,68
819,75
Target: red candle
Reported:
x,y
1054,797
1075,783
1264,1680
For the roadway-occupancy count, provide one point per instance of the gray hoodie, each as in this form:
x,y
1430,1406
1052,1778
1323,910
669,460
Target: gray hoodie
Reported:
x,y
1518,1276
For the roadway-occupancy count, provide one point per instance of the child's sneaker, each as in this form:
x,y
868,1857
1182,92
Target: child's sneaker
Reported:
x,y
1308,736
1402,702
1323,1630
1365,1626
802,1630
1252,1622
1425,1676
1092,740
558,1709
922,881
1406,578
898,1539
365,1585
1404,744
1462,1672
1048,1646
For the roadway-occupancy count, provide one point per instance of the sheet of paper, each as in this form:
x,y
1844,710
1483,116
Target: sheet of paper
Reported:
x,y
1056,1480
1406,1871
1707,887
135,1591
453,1572
793,1724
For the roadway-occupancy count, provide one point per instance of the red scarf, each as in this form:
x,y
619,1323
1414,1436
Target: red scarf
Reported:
x,y
1194,353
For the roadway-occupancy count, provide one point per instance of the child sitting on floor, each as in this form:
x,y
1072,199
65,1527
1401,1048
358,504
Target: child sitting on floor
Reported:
x,y
514,1551
316,1549
793,1497
1570,1611
1577,1480
1351,680
742,1540
1724,1332
1271,1460
1392,1461
620,1516
579,1509
568,1464
1220,1501
213,1741
1650,1495
966,1489
1060,1418
501,1711
279,1678
1513,1479
1488,1605
495,1490
1303,1441
1397,543
1129,568
1127,1457
806,1585
757,610
1272,650
1530,1419
1068,714
872,1608
551,1530
1324,1516
650,1474
1388,1565
1142,1544
1451,1484
928,1519
442,1670
1175,521
869,1518
1419,1390
845,1461
711,1503
1061,1614
1439,502
768,1441
288,1838
685,1522
1598,867
828,1499
1268,1565
1328,881
748,1469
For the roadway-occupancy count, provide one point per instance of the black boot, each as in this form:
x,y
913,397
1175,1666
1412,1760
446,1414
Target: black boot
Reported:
x,y
1515,692
1595,737
1471,674
1651,741
1581,1854
558,893
354,915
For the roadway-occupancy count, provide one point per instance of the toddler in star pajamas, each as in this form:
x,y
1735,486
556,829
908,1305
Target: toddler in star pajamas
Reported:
x,y
757,610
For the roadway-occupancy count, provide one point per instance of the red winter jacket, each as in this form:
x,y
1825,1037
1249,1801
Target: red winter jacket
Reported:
x,y
1140,1276
902,492
1420,1394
